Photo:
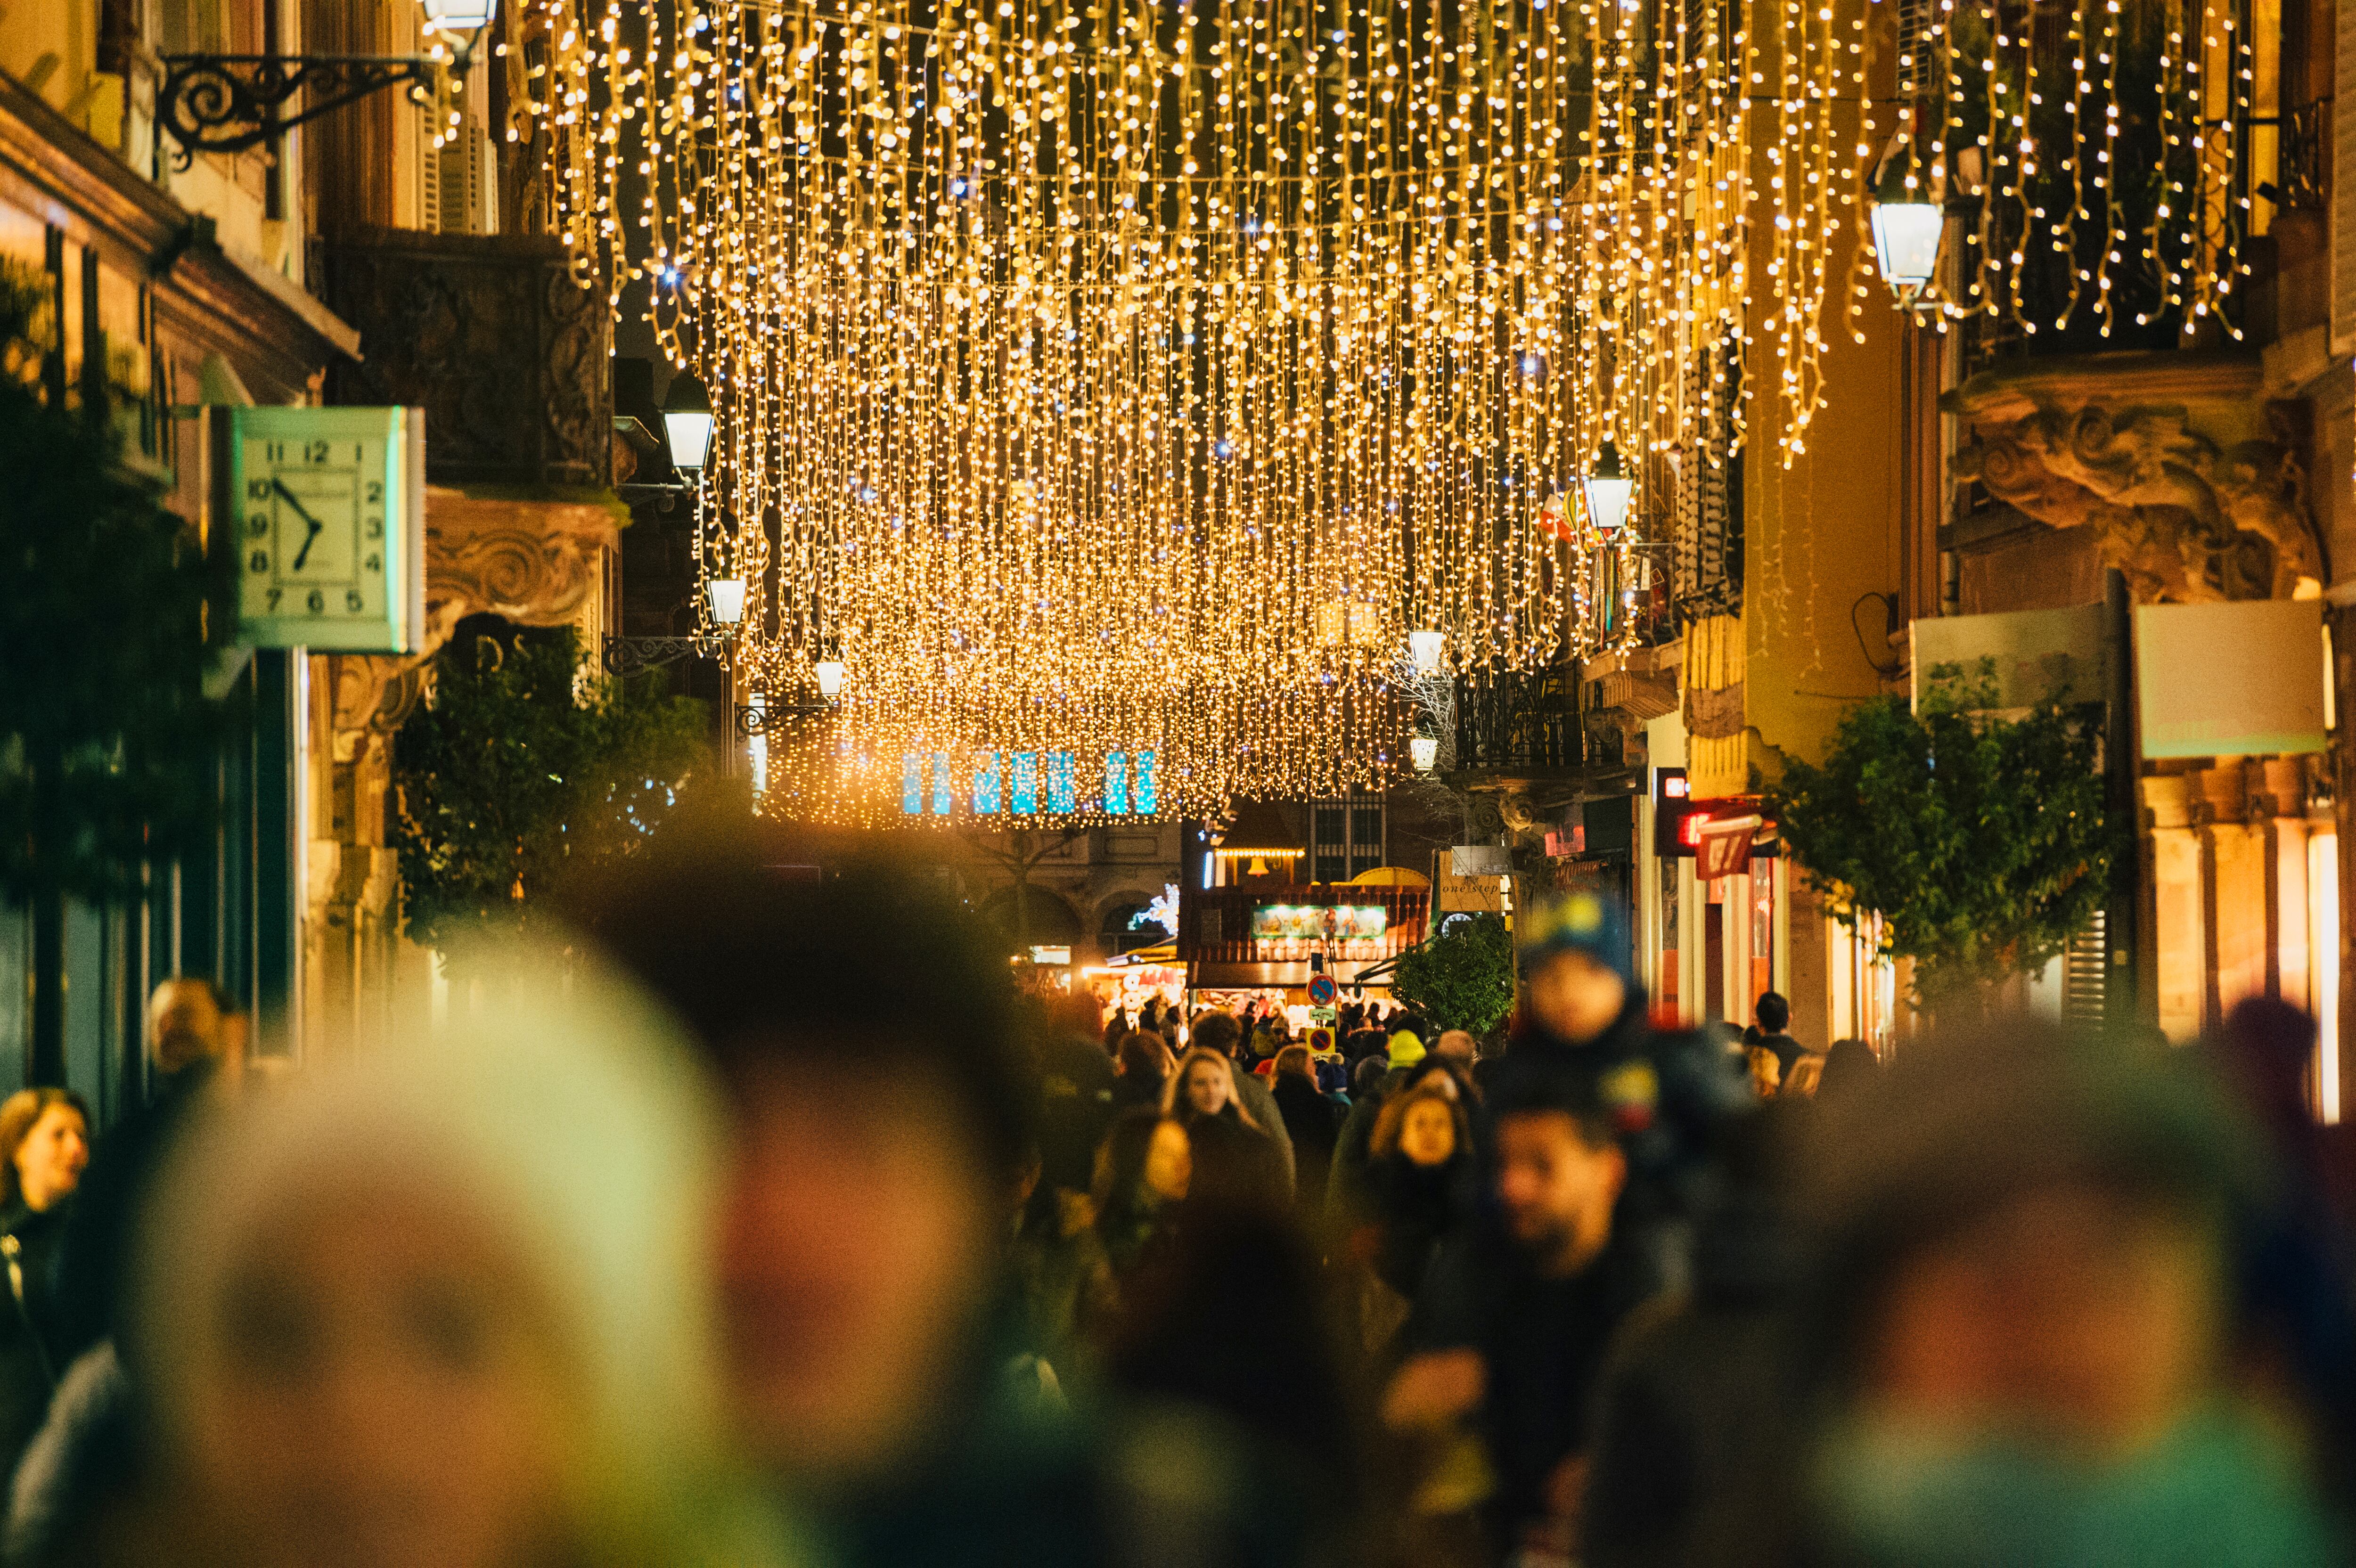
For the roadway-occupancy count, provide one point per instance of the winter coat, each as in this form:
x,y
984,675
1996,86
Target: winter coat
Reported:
x,y
1415,1208
1260,1103
1313,1124
29,1332
1234,1161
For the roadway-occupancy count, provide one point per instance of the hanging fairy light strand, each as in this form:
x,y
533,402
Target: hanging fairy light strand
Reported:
x,y
1096,367
2100,168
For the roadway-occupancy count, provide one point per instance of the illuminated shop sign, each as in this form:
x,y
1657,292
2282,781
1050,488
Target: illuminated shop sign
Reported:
x,y
1026,784
1339,921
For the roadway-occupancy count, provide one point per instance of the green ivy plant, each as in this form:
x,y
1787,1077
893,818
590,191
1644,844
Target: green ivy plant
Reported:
x,y
517,773
113,610
1463,977
1980,837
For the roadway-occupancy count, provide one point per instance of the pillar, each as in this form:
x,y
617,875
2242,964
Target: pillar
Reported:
x,y
2179,927
2238,912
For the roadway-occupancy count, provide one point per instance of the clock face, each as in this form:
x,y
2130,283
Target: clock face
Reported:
x,y
322,522
314,526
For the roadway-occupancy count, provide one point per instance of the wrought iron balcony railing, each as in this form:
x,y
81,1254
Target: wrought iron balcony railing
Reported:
x,y
1520,723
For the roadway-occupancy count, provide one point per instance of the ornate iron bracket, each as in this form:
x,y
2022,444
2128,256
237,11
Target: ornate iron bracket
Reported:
x,y
627,656
766,717
229,104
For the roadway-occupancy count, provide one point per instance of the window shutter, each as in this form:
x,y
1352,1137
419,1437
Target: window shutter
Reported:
x,y
2343,188
1706,535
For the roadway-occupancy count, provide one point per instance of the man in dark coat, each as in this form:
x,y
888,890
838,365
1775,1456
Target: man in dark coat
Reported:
x,y
1511,1329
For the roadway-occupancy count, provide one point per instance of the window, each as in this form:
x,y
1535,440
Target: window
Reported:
x,y
1348,838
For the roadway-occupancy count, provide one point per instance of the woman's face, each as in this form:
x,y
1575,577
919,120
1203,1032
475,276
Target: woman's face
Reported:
x,y
1206,1088
377,1391
1169,1163
49,1161
1428,1134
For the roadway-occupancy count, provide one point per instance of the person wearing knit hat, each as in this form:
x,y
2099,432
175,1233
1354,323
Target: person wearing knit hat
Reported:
x,y
1667,1093
1580,979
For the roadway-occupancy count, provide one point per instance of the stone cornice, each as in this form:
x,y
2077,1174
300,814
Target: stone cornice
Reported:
x,y
532,562
2019,387
52,168
535,563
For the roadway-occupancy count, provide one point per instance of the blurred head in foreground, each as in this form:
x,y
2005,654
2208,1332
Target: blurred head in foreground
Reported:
x,y
880,1112
445,1304
2021,1270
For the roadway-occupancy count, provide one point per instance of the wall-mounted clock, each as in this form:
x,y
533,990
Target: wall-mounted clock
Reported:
x,y
328,511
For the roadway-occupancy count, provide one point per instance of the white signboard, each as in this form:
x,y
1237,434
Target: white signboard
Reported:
x,y
2241,679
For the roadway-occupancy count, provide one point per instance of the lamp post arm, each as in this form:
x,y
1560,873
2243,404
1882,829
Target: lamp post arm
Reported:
x,y
230,103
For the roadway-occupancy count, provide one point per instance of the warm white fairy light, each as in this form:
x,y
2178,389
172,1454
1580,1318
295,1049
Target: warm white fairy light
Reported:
x,y
2031,157
1069,360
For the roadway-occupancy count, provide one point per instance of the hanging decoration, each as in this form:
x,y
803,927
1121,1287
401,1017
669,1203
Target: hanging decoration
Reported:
x,y
2094,160
1072,363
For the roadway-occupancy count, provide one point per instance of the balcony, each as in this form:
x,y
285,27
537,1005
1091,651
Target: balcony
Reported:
x,y
1264,933
490,335
1520,725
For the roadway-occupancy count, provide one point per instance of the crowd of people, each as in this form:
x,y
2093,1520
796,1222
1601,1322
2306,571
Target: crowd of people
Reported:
x,y
763,1224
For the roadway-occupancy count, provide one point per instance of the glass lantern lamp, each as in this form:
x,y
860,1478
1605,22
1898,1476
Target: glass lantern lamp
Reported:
x,y
1610,487
725,595
1906,236
1425,647
687,421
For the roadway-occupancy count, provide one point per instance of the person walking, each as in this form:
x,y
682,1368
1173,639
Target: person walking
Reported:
x,y
1220,1033
1510,1330
1144,1172
1773,1014
1422,1185
44,1147
1311,1119
449,1303
1234,1157
1145,1065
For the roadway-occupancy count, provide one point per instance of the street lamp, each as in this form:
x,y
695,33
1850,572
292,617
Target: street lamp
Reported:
x,y
687,419
1424,647
726,597
1608,489
830,678
1906,236
1425,751
459,16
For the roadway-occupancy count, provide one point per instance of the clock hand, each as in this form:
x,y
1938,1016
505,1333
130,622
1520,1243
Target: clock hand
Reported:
x,y
308,539
302,511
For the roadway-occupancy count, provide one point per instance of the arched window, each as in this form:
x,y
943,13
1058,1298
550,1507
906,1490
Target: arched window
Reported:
x,y
1125,928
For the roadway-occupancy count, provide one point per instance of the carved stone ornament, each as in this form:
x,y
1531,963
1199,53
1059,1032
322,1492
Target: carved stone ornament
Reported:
x,y
492,336
2187,476
372,694
533,562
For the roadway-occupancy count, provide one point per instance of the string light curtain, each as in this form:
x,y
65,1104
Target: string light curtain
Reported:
x,y
2095,156
1134,372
